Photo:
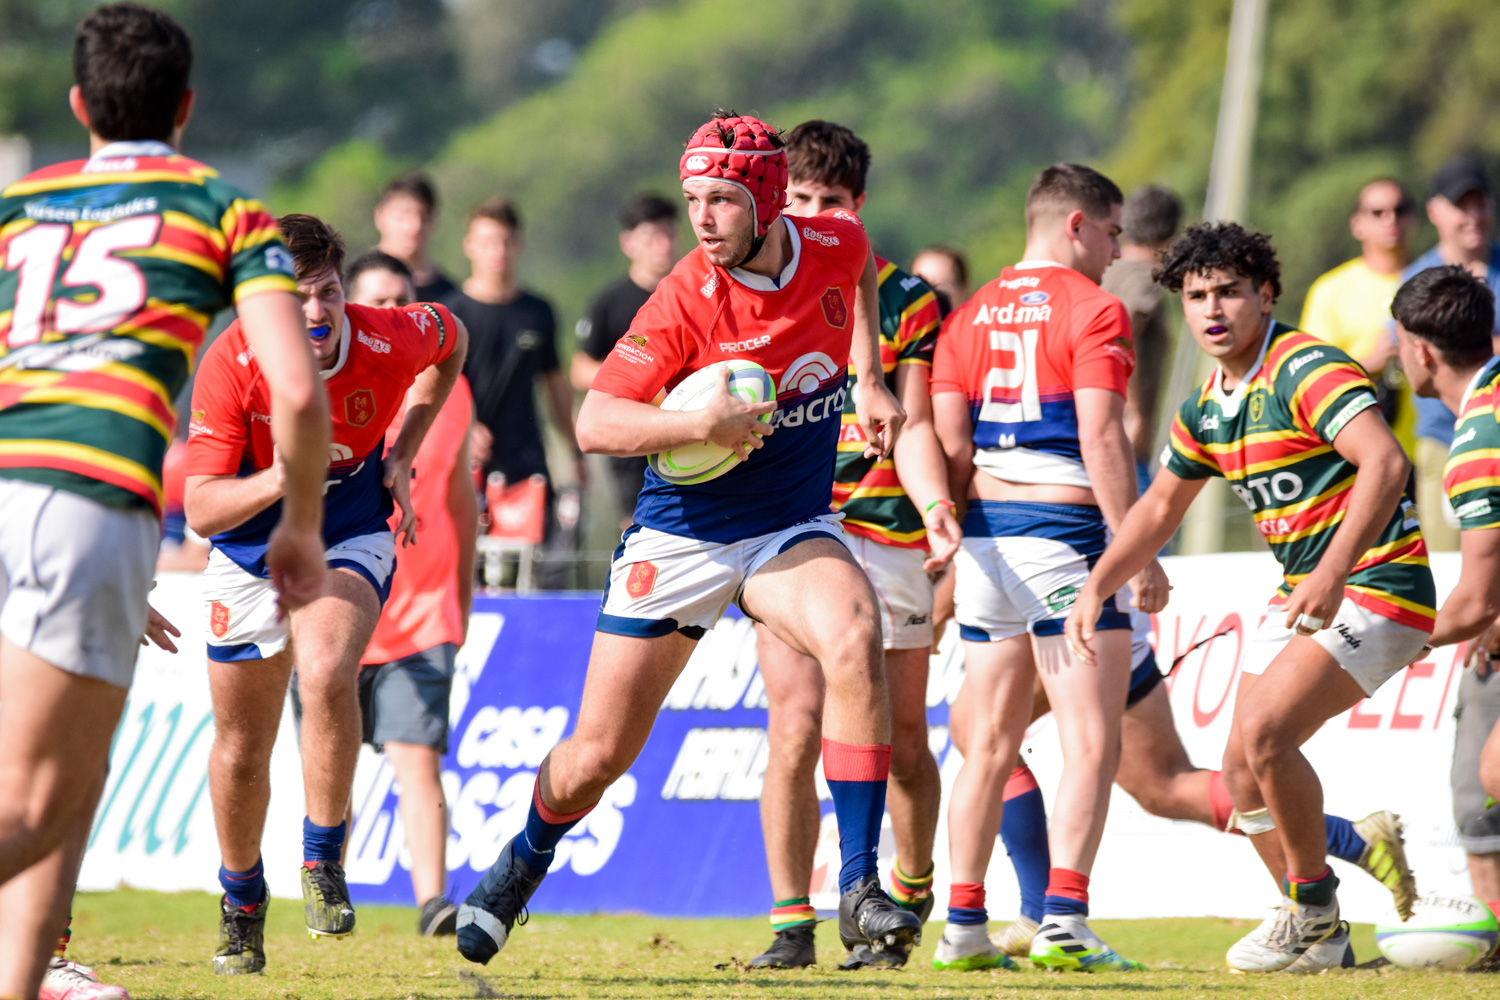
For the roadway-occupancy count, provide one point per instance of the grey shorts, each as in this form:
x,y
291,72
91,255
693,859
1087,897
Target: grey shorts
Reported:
x,y
1477,711
404,701
73,578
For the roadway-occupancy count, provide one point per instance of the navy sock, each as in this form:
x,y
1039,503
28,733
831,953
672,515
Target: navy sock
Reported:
x,y
1023,830
1067,893
244,889
1343,842
856,778
321,843
544,829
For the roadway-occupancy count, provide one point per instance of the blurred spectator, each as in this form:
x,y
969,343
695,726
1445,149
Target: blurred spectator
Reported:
x,y
1462,210
407,671
648,238
512,348
1149,221
1350,306
405,215
945,269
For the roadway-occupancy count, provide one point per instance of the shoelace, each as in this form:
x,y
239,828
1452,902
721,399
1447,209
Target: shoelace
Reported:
x,y
241,924
328,880
507,897
1283,934
71,972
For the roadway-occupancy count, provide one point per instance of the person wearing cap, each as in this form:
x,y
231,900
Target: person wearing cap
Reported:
x,y
797,296
1462,210
1349,306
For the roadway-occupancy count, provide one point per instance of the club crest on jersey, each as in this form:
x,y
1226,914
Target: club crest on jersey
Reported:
x,y
1257,407
834,309
638,339
359,407
641,579
218,619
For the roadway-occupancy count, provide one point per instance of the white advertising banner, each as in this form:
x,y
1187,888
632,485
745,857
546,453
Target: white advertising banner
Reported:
x,y
154,828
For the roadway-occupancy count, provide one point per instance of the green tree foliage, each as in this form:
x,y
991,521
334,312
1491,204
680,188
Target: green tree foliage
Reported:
x,y
961,102
1352,89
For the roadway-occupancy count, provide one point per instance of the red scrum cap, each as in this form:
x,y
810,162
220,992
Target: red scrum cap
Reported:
x,y
745,152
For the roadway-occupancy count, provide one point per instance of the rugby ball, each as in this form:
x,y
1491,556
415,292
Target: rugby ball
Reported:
x,y
1444,932
704,460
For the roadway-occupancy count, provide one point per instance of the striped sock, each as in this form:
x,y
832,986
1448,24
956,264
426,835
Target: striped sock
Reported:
x,y
244,889
966,903
794,912
1067,893
544,829
856,775
908,892
1311,891
67,935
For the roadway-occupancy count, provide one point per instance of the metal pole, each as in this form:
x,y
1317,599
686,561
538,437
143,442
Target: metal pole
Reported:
x,y
1228,198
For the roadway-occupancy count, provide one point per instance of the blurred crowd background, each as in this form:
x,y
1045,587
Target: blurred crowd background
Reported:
x,y
567,108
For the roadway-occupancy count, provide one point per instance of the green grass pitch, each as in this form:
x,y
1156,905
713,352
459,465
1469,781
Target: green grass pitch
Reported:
x,y
159,945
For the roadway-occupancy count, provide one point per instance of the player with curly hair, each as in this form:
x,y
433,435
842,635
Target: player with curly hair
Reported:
x,y
1292,423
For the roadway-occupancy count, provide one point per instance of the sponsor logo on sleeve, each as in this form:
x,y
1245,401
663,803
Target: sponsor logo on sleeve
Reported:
x,y
373,343
278,259
827,239
1299,363
1474,508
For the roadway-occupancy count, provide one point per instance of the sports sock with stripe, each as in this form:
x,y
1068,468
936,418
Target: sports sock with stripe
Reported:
x,y
1067,893
856,775
322,843
1023,830
545,828
909,891
244,889
67,935
1311,891
966,903
794,912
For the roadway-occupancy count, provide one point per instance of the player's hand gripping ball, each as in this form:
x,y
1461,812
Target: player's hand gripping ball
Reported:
x,y
702,461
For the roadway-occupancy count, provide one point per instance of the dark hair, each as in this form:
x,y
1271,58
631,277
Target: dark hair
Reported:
x,y
1404,204
1066,186
375,260
313,244
1151,215
726,135
412,185
1452,310
941,250
131,64
645,207
826,153
499,210
1219,246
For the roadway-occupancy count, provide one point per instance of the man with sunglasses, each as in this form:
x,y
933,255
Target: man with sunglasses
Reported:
x,y
1350,306
368,358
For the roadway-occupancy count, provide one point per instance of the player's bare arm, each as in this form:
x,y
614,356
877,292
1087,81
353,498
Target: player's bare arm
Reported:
x,y
215,504
560,403
922,467
274,329
463,511
425,398
1109,460
1474,603
953,424
614,425
1367,443
880,414
1146,528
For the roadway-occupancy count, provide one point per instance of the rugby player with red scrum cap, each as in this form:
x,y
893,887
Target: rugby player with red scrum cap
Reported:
x,y
799,297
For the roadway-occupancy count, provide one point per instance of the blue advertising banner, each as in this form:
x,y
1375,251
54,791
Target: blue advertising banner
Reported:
x,y
688,807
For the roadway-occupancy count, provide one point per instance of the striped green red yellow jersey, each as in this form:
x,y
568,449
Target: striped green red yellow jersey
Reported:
x,y
111,270
1272,439
1471,478
868,491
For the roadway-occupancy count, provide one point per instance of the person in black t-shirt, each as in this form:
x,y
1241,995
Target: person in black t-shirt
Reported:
x,y
648,238
405,214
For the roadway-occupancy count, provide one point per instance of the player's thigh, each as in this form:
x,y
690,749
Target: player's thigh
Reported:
x,y
248,695
333,631
55,731
794,685
1151,751
73,579
999,676
1299,690
628,679
1086,700
814,596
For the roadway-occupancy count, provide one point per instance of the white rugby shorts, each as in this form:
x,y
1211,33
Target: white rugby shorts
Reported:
x,y
902,588
661,583
1371,649
1021,566
241,606
74,574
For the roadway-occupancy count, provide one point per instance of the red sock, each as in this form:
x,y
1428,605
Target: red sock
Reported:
x,y
1219,805
1494,906
1068,883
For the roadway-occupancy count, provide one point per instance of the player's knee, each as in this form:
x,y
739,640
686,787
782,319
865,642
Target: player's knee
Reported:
x,y
1264,739
595,766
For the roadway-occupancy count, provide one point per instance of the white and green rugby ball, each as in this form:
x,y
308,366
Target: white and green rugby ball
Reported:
x,y
702,461
1444,932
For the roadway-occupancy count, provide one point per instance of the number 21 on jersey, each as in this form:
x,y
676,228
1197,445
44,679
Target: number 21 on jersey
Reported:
x,y
1011,395
119,287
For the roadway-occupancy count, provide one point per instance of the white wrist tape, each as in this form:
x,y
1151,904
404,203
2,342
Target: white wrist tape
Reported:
x,y
1251,823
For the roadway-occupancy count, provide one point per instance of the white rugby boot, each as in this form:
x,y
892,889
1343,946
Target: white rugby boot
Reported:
x,y
966,947
1014,938
1283,937
1385,858
1064,942
1333,952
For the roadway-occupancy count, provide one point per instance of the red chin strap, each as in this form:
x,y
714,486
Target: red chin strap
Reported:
x,y
741,152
